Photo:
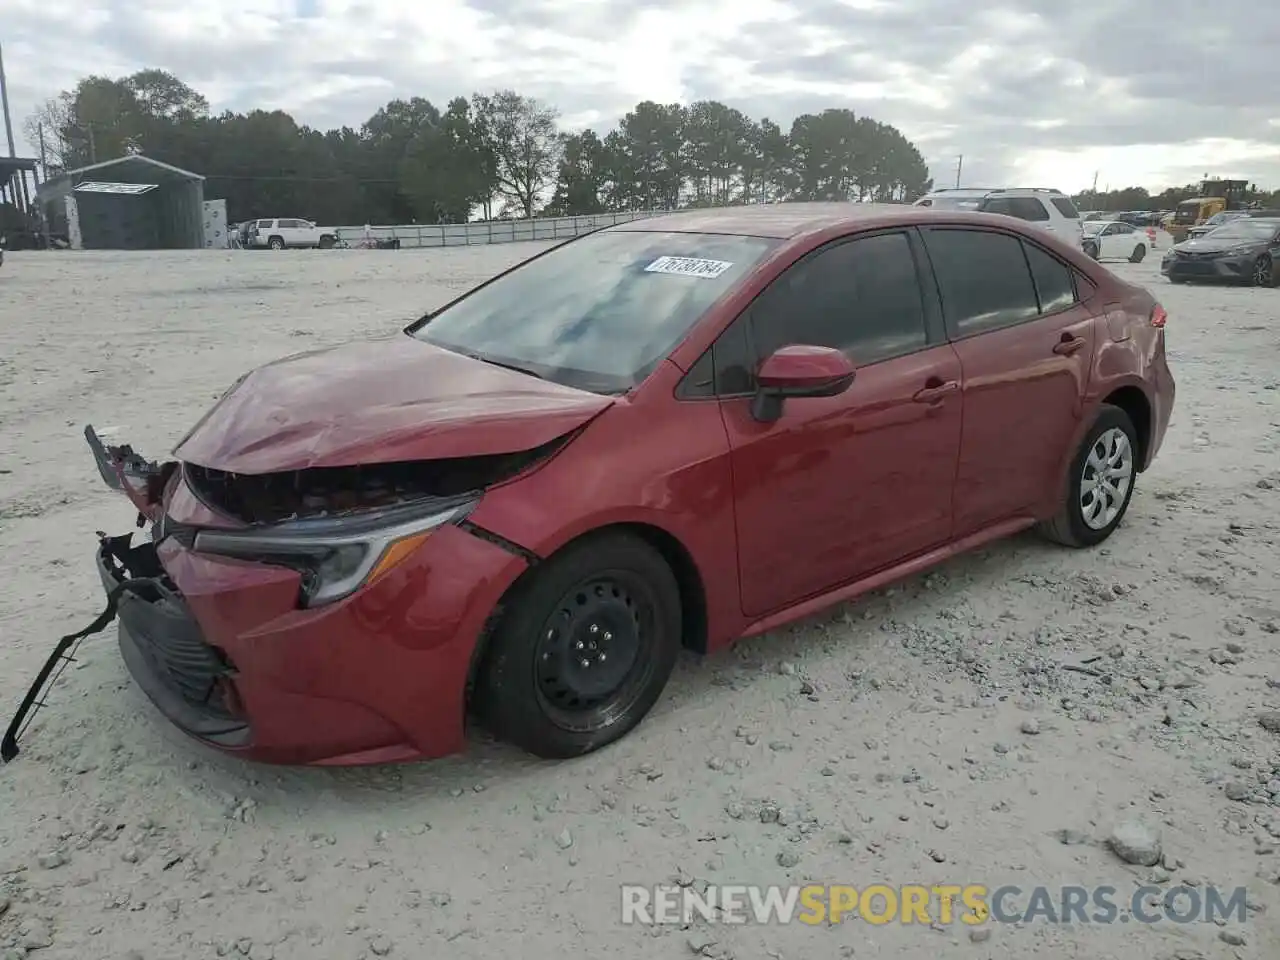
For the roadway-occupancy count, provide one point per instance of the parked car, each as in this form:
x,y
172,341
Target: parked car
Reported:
x,y
670,433
289,234
1217,220
1245,250
1115,239
1050,210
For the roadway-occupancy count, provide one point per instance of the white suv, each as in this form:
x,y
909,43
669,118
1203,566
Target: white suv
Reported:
x,y
1051,210
291,234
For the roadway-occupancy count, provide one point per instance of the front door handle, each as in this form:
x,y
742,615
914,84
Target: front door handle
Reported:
x,y
1068,345
935,390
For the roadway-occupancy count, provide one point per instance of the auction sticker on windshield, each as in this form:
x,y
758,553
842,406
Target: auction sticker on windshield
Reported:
x,y
689,267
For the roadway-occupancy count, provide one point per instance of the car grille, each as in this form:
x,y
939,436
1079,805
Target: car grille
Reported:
x,y
192,667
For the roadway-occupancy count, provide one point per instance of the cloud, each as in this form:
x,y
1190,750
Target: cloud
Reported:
x,y
1029,91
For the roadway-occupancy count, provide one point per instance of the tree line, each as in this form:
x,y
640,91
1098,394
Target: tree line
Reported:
x,y
502,153
1139,198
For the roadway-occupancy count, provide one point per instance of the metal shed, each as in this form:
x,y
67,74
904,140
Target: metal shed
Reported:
x,y
130,203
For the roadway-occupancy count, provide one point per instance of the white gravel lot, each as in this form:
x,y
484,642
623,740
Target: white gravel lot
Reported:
x,y
891,735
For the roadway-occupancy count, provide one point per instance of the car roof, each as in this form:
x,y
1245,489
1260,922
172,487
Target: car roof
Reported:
x,y
785,221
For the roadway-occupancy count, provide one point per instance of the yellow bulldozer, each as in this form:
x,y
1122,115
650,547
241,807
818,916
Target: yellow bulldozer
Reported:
x,y
1215,196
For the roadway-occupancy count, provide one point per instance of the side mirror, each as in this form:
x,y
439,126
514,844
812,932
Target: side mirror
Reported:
x,y
799,371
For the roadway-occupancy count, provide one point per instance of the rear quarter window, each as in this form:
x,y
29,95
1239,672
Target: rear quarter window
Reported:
x,y
1066,207
1024,208
1052,279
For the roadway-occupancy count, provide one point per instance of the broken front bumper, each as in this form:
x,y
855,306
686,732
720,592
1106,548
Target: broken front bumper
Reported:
x,y
161,646
225,652
188,680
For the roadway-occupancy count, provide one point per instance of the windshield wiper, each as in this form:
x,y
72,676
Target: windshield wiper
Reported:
x,y
499,363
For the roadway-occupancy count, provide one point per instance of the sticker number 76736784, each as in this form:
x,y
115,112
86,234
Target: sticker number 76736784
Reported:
x,y
689,267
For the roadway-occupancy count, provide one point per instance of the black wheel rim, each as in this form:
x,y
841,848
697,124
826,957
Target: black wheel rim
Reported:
x,y
1262,272
595,652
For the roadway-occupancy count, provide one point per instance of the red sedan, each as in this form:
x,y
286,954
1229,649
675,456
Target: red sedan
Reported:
x,y
672,433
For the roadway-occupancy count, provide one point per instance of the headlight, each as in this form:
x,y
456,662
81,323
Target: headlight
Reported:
x,y
337,556
1240,250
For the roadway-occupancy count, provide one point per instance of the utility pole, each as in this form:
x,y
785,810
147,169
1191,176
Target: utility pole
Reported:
x,y
1095,182
4,103
44,165
959,168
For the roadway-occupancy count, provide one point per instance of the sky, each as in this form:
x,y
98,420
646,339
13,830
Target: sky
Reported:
x,y
1031,92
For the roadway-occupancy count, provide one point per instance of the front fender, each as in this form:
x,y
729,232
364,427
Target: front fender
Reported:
x,y
651,465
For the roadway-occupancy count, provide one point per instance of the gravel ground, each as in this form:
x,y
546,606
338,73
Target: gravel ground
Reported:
x,y
991,722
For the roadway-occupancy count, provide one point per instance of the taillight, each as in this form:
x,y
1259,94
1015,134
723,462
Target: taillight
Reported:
x,y
1158,317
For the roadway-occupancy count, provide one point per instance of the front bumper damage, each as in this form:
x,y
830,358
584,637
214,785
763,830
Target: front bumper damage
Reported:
x,y
141,596
134,581
225,651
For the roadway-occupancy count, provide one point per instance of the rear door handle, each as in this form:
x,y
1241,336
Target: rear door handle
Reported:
x,y
935,391
1066,347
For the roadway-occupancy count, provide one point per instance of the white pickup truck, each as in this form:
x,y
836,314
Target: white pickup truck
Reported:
x,y
286,234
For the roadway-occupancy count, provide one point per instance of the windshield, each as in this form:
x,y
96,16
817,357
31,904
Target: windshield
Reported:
x,y
1188,211
1245,230
597,313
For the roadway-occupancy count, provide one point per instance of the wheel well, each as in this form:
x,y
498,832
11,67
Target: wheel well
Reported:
x,y
693,597
1134,402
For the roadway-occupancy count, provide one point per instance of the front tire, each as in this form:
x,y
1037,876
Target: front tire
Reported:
x,y
1091,250
1139,254
1264,272
1100,483
583,648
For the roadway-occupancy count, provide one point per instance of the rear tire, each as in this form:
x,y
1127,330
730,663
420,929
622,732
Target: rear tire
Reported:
x,y
1139,254
275,243
583,649
1100,482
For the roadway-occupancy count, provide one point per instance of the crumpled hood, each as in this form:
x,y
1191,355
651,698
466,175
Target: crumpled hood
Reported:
x,y
380,401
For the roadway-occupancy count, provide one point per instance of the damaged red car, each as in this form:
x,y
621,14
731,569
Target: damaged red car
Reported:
x,y
667,434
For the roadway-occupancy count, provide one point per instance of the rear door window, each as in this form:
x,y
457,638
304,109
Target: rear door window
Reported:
x,y
983,278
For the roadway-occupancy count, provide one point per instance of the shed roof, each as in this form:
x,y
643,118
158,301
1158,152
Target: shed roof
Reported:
x,y
11,165
137,165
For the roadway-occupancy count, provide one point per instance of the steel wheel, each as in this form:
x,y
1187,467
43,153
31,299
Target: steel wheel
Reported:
x,y
1105,480
1263,272
594,653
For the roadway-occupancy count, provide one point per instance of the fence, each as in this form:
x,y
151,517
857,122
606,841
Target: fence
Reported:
x,y
492,231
